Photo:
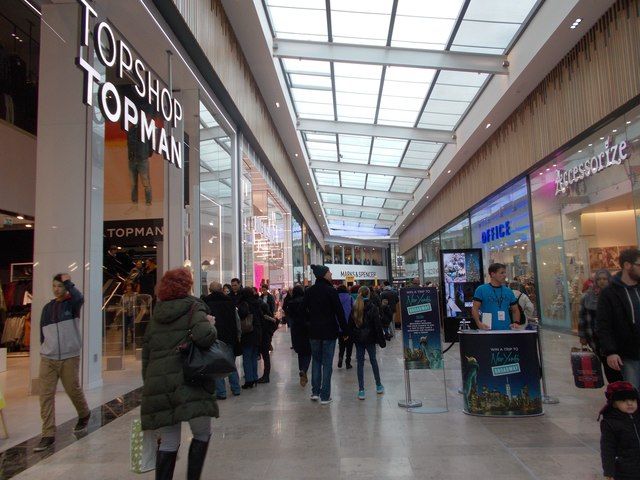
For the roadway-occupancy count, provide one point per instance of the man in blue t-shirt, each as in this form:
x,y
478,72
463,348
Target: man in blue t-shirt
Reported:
x,y
497,302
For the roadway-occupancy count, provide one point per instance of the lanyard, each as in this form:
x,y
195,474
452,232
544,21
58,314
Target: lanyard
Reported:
x,y
500,299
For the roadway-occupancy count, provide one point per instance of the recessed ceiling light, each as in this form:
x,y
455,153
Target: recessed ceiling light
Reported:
x,y
427,196
591,145
277,104
315,203
629,122
579,151
28,225
614,130
488,125
307,184
540,173
20,217
413,213
448,171
295,154
601,138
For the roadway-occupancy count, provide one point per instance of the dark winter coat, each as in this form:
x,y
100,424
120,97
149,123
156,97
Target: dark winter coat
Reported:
x,y
371,329
253,306
221,307
270,302
166,398
620,444
324,311
616,330
294,309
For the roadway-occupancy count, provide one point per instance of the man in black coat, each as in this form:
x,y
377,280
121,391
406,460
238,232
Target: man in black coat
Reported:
x,y
267,298
618,319
326,321
228,328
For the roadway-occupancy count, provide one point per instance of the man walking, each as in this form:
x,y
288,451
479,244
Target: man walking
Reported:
x,y
618,318
60,344
326,321
228,329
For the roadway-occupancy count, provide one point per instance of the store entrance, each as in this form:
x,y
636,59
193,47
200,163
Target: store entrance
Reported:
x,y
594,237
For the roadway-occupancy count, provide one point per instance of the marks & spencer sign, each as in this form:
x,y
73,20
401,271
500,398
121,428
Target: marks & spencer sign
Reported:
x,y
613,154
117,107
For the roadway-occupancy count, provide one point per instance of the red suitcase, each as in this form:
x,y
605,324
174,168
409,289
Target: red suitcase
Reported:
x,y
586,368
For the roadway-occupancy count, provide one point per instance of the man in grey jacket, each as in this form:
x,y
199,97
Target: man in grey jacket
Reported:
x,y
60,344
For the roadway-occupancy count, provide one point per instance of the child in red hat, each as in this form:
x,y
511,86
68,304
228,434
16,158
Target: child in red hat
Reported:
x,y
620,429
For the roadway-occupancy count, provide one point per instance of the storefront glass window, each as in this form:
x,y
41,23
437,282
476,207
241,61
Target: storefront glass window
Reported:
x,y
457,234
431,258
328,256
296,235
411,269
376,256
348,257
337,254
357,255
583,212
501,227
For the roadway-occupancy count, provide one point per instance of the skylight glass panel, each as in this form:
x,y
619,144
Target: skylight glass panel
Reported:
x,y
332,211
331,198
484,37
499,10
439,121
395,204
356,78
327,177
359,27
315,96
309,67
352,179
453,92
351,213
373,202
305,109
403,95
386,216
316,82
347,113
354,149
320,137
472,79
379,182
352,199
405,184
425,25
293,22
370,215
446,106
206,118
322,151
387,151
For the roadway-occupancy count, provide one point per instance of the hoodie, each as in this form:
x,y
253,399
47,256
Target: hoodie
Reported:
x,y
60,336
618,314
620,444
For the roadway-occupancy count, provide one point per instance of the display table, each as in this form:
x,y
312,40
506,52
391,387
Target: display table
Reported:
x,y
500,373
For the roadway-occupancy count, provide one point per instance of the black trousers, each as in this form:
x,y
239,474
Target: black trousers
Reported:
x,y
265,354
345,345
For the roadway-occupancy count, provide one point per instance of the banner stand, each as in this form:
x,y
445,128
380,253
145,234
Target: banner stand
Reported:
x,y
430,410
408,403
546,398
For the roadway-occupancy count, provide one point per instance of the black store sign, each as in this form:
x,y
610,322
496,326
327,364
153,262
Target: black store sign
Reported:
x,y
133,232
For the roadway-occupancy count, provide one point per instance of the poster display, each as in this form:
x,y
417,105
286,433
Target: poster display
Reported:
x,y
460,275
500,373
421,342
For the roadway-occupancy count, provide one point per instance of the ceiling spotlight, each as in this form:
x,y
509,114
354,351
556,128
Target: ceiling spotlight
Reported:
x,y
295,154
277,104
307,184
427,196
28,225
488,125
20,217
448,171
629,122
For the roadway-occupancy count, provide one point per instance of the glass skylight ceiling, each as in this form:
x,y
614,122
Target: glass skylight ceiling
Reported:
x,y
385,95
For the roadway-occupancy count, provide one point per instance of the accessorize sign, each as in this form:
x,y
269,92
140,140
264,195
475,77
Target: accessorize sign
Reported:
x,y
421,342
613,154
117,107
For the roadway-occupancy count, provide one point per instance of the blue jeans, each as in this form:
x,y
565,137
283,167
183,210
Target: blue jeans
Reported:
x,y
371,350
303,362
234,383
250,363
322,352
631,371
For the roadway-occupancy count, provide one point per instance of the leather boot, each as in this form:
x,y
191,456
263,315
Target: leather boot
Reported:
x,y
197,454
165,464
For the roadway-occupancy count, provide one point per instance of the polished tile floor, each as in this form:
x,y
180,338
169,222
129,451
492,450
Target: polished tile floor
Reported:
x,y
275,432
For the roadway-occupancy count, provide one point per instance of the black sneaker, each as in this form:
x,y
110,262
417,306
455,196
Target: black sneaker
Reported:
x,y
45,443
82,423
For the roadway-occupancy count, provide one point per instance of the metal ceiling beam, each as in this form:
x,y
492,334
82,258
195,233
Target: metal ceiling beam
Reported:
x,y
368,168
365,193
212,133
385,131
391,56
215,176
361,208
367,221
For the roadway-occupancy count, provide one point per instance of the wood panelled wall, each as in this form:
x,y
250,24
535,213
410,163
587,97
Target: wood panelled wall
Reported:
x,y
211,28
600,74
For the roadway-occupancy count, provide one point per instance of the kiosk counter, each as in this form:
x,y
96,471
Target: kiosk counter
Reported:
x,y
500,373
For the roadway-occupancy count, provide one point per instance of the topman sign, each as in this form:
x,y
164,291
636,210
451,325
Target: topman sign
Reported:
x,y
117,107
613,154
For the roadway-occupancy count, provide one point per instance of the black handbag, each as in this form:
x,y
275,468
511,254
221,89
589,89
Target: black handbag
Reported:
x,y
202,364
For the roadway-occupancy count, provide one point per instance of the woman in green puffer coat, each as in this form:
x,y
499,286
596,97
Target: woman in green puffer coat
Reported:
x,y
167,399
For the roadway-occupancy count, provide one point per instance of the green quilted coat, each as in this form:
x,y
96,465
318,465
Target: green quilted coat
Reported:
x,y
166,398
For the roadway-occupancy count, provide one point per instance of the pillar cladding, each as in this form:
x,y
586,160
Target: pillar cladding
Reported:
x,y
69,189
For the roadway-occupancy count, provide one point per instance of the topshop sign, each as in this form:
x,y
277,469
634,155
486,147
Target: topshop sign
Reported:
x,y
117,107
613,154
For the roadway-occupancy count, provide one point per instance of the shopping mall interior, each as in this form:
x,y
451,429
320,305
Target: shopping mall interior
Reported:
x,y
401,145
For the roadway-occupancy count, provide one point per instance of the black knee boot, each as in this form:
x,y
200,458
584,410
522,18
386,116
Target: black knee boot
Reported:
x,y
197,454
165,464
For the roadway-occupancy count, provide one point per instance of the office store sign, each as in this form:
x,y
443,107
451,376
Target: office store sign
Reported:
x,y
117,107
613,154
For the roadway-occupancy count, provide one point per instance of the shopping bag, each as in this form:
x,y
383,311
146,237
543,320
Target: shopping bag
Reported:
x,y
144,445
586,368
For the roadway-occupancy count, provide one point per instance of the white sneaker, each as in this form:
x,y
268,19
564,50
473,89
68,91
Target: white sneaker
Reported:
x,y
326,402
315,398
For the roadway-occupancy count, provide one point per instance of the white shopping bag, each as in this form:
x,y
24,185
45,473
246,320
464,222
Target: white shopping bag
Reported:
x,y
144,445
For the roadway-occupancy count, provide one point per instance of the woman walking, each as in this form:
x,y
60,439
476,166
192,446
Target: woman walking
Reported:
x,y
167,398
366,330
250,305
299,331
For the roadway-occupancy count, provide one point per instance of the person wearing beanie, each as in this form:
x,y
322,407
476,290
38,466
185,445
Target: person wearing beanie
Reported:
x,y
326,321
620,433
